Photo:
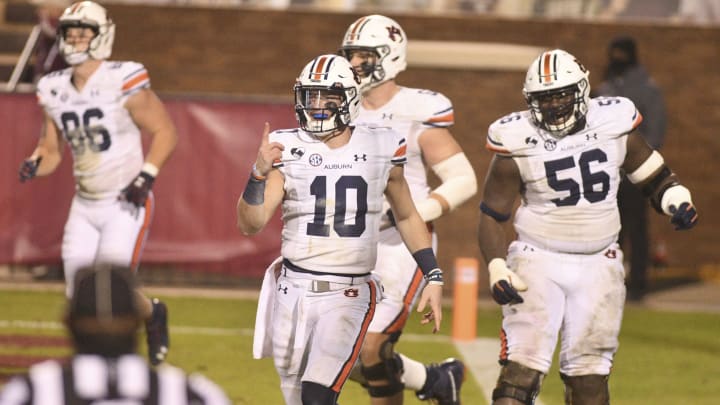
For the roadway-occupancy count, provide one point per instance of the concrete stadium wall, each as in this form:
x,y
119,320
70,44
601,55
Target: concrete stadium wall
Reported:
x,y
244,52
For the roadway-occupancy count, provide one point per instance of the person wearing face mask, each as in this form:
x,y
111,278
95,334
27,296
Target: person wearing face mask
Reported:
x,y
626,77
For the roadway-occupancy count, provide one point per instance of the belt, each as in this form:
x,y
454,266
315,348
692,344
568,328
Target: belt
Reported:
x,y
326,282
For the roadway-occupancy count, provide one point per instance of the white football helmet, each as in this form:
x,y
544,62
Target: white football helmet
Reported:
x,y
90,15
384,37
556,75
327,95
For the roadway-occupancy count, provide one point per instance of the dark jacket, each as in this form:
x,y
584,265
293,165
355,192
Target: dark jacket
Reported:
x,y
636,84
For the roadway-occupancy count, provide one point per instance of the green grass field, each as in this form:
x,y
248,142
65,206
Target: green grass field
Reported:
x,y
664,358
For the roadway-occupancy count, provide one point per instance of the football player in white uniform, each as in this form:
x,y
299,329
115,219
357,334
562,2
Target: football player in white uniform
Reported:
x,y
376,46
564,274
98,107
330,177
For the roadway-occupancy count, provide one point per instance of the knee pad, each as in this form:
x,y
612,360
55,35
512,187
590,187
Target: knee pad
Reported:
x,y
389,369
586,389
316,394
518,382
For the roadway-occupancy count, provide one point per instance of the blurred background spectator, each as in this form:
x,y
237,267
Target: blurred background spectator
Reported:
x,y
626,77
47,58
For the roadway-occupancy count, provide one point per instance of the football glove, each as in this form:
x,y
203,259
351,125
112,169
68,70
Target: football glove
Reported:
x,y
137,192
28,168
684,217
504,283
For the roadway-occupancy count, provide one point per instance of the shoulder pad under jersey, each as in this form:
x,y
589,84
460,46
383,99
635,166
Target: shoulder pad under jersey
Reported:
x,y
430,108
613,116
511,135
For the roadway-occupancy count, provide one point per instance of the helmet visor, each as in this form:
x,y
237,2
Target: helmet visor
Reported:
x,y
319,103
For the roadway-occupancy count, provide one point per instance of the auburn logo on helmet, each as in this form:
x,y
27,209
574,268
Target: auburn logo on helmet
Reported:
x,y
393,31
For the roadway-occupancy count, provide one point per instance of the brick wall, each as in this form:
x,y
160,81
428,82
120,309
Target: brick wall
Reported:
x,y
252,52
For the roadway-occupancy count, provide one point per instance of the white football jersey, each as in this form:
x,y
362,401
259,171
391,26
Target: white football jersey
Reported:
x,y
105,142
333,197
409,113
569,200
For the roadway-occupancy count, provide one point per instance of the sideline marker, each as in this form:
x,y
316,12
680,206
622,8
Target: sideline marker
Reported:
x,y
465,293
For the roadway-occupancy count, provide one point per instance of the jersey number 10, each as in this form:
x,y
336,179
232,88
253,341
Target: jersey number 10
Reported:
x,y
318,188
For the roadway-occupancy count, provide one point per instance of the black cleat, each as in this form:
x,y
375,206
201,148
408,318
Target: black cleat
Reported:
x,y
158,339
444,382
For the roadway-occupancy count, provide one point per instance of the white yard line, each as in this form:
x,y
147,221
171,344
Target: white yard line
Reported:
x,y
481,357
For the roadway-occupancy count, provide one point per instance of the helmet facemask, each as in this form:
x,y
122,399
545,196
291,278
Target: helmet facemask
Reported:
x,y
559,111
371,71
327,95
557,92
387,41
322,111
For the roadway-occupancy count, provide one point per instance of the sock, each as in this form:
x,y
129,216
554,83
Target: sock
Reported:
x,y
414,374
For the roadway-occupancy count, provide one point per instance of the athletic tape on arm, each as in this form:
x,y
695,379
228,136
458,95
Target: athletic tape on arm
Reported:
x,y
458,185
647,168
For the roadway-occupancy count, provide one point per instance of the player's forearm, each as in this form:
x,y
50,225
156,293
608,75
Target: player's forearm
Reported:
x,y
414,233
458,185
162,146
491,238
251,219
49,160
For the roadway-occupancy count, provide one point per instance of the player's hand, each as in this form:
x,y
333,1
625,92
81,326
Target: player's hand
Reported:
x,y
504,283
268,153
684,217
432,296
137,192
28,168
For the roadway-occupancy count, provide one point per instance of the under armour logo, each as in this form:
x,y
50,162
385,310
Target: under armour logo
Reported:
x,y
362,157
611,254
387,116
283,289
531,140
593,136
352,292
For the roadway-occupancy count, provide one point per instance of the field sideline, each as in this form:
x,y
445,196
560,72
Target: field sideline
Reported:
x,y
664,358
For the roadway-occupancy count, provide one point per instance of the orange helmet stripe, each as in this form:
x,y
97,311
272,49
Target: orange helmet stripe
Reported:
x,y
547,70
356,28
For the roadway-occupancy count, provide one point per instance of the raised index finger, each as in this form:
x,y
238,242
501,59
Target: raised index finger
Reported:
x,y
266,134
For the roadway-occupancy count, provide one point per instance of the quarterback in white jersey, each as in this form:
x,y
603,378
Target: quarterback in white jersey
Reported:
x,y
330,177
564,274
376,47
98,108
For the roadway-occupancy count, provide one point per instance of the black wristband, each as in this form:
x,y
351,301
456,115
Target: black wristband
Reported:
x,y
426,260
254,193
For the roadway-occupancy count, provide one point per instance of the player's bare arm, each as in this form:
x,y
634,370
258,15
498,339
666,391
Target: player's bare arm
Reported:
x,y
646,169
502,186
414,233
150,115
265,189
47,154
443,154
